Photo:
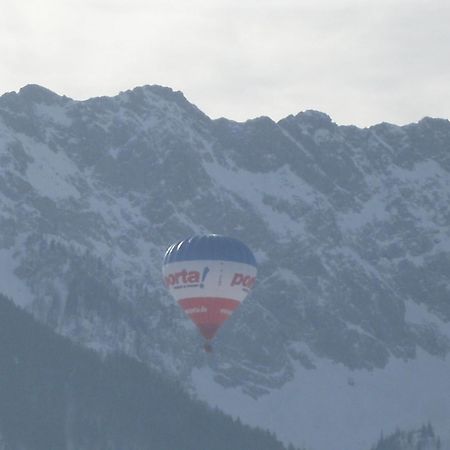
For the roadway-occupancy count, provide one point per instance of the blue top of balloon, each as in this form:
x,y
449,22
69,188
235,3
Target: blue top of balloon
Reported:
x,y
212,247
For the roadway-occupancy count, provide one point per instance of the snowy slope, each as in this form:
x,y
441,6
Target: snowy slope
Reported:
x,y
351,229
332,407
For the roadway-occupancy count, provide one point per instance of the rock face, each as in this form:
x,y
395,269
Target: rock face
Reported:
x,y
351,229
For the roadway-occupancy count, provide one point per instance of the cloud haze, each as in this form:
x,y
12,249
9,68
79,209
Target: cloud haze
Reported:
x,y
360,61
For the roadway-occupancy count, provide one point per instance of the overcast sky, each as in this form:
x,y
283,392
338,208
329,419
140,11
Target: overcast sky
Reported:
x,y
360,61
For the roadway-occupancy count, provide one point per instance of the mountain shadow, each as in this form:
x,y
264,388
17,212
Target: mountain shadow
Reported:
x,y
56,395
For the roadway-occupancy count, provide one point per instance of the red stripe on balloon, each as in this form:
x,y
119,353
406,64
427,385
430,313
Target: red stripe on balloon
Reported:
x,y
208,313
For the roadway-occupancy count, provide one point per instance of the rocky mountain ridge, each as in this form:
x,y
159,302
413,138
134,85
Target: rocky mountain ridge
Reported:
x,y
351,229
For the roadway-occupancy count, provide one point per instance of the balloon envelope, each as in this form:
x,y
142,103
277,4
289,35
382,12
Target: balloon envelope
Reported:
x,y
209,276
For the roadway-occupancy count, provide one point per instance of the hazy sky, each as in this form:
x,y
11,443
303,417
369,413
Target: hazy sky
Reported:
x,y
360,61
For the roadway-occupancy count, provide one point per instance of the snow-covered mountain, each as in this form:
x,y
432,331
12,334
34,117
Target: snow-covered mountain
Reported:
x,y
347,331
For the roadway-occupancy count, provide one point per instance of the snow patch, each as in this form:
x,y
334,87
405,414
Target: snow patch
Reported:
x,y
10,284
333,407
373,210
257,187
50,171
420,315
54,113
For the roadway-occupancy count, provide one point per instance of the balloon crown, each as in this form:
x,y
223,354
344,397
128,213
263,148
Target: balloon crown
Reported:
x,y
209,247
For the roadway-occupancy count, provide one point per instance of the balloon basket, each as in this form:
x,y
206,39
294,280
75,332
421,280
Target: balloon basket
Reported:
x,y
208,347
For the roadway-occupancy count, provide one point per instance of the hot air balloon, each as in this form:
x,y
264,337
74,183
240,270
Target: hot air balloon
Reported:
x,y
209,276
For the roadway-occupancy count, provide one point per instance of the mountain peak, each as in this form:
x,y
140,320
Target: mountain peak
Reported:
x,y
148,92
39,94
156,89
314,117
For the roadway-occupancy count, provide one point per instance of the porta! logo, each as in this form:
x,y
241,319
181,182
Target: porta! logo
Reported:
x,y
186,278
